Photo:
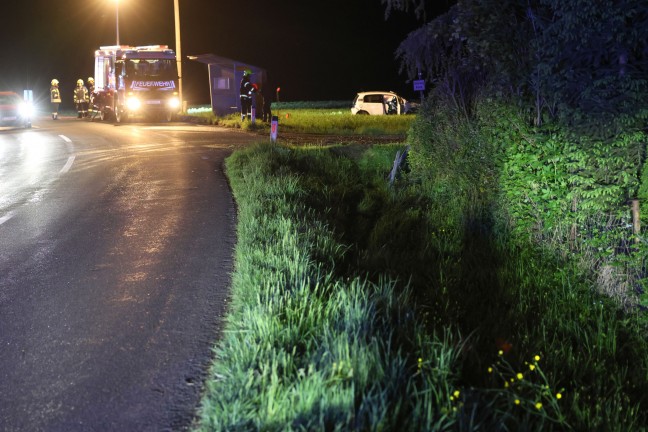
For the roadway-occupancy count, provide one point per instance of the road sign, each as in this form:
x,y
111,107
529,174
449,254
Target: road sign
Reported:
x,y
419,85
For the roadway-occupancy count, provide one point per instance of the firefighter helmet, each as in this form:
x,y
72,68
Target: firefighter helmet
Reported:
x,y
54,82
90,80
79,82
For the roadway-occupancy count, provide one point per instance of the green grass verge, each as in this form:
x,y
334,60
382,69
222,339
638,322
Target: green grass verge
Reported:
x,y
305,348
324,332
331,121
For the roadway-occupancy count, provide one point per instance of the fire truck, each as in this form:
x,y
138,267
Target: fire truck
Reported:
x,y
136,81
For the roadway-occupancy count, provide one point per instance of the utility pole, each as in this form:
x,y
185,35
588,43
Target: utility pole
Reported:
x,y
117,19
176,9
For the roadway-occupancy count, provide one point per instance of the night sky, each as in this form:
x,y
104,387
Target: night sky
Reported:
x,y
313,50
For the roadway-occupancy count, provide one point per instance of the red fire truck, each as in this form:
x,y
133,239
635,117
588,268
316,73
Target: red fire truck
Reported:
x,y
136,81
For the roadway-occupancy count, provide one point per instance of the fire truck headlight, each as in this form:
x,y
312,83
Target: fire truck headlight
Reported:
x,y
133,103
174,102
26,109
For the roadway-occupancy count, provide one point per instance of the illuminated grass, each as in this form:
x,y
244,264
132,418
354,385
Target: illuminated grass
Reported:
x,y
319,121
304,348
324,333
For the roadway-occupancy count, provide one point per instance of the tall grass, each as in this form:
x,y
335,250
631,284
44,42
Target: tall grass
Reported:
x,y
325,332
304,347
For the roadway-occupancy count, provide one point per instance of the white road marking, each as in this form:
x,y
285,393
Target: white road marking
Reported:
x,y
70,160
67,165
5,218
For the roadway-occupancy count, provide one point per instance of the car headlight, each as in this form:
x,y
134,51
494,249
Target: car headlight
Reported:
x,y
174,102
26,109
133,103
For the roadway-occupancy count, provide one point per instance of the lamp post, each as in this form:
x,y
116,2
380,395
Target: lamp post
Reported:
x,y
117,19
176,10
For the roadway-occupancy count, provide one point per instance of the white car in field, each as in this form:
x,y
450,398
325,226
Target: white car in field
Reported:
x,y
380,103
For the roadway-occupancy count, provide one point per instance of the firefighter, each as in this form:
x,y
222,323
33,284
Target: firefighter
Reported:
x,y
81,99
91,96
246,90
55,98
390,104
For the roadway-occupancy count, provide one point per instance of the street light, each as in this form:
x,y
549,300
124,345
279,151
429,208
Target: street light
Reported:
x,y
176,10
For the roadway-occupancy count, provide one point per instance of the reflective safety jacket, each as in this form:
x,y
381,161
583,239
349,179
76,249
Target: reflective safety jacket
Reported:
x,y
246,89
81,94
55,95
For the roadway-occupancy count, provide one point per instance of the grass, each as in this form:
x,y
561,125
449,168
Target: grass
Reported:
x,y
333,120
307,346
362,307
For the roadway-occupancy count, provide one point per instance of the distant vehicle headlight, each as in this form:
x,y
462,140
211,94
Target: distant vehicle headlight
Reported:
x,y
26,109
174,102
133,103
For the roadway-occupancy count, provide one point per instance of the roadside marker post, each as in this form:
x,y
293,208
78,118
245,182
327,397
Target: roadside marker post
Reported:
x,y
419,86
274,126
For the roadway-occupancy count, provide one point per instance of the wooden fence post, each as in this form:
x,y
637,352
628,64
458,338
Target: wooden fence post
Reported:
x,y
636,222
574,228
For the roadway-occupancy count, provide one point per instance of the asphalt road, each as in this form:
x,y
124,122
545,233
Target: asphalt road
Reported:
x,y
116,248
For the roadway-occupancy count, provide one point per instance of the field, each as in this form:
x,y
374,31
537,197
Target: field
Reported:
x,y
327,118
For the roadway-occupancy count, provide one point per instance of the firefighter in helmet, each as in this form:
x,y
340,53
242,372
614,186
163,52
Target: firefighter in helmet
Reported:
x,y
55,98
246,93
91,94
81,99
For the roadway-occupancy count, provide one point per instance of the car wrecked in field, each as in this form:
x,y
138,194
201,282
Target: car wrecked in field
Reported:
x,y
14,111
381,103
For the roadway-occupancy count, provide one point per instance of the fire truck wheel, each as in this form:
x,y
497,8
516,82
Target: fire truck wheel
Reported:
x,y
120,117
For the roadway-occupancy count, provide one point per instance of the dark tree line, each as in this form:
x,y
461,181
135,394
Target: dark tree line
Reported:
x,y
583,63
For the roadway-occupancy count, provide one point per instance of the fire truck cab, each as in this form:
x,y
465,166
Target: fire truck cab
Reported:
x,y
136,81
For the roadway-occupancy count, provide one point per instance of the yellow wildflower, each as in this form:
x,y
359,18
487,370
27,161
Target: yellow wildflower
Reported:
x,y
500,353
490,370
520,376
536,358
456,393
517,401
531,367
538,405
558,395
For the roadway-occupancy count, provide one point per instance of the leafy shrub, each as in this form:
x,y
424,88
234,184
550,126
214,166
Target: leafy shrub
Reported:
x,y
500,195
642,194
